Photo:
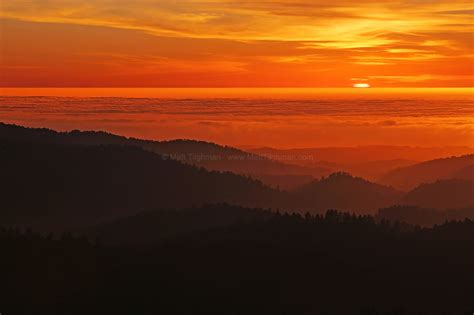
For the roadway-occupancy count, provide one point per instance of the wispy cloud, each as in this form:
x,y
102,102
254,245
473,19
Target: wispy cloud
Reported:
x,y
260,38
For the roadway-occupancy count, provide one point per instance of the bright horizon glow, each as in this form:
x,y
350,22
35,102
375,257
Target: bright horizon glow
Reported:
x,y
361,85
297,93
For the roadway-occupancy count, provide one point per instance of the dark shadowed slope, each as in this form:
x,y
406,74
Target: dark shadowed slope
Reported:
x,y
424,216
285,264
151,227
200,153
154,227
48,177
464,173
56,186
442,194
284,182
409,177
225,158
84,184
343,192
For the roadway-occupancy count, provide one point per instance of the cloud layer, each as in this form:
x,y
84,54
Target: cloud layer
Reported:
x,y
416,121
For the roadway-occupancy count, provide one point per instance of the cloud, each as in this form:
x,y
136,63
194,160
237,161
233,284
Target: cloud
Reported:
x,y
387,123
232,43
249,20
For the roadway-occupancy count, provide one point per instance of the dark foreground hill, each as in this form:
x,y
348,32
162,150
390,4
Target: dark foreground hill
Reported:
x,y
278,264
424,216
63,185
202,154
153,227
56,186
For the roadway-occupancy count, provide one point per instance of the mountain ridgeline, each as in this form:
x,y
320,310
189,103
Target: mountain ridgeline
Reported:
x,y
199,153
378,162
54,180
83,184
100,224
70,184
344,192
407,178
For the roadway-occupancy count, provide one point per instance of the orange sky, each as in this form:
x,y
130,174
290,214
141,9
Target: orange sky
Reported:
x,y
227,43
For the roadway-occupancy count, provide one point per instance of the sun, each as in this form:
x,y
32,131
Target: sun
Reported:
x,y
361,85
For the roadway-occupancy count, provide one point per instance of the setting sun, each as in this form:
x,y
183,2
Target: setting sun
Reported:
x,y
361,85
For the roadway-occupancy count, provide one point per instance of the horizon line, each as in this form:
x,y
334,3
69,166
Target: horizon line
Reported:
x,y
235,87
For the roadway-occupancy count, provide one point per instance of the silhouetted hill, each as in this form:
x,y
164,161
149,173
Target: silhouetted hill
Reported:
x,y
373,170
409,177
423,216
284,182
152,227
442,194
466,173
55,179
200,153
370,162
346,193
45,183
156,227
283,264
363,154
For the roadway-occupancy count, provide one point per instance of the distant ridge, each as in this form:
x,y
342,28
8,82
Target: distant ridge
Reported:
x,y
407,178
365,153
372,162
442,194
347,193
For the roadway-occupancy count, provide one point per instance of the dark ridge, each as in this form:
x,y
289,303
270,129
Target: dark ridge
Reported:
x,y
442,194
282,264
407,178
344,192
205,154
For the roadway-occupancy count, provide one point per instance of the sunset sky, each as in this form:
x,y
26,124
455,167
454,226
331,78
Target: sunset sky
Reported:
x,y
225,43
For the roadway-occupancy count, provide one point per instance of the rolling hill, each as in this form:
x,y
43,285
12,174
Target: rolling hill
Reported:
x,y
203,154
407,178
152,227
464,173
442,194
363,154
347,193
370,162
63,185
52,186
426,217
58,180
